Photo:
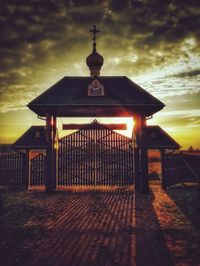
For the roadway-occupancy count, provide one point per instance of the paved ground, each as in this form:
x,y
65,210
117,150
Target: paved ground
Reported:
x,y
116,227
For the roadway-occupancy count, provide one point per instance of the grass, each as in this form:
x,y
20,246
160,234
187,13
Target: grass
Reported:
x,y
18,208
187,198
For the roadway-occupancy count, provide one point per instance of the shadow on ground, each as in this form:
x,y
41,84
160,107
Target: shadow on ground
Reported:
x,y
95,227
151,248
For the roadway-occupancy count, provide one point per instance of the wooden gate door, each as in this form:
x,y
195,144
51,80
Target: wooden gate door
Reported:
x,y
95,156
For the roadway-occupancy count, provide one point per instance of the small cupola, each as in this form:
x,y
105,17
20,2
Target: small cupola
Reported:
x,y
94,61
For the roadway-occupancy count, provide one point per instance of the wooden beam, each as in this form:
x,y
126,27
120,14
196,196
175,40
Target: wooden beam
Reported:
x,y
80,126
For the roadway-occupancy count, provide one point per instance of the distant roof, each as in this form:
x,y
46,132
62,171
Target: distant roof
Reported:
x,y
69,97
158,138
33,138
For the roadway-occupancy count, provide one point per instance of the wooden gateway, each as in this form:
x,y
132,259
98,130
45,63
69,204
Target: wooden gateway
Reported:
x,y
95,155
97,96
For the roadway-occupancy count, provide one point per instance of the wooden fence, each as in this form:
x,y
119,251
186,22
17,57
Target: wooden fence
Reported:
x,y
11,169
77,163
181,170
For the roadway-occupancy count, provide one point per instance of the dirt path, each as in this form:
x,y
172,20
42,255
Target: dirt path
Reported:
x,y
112,228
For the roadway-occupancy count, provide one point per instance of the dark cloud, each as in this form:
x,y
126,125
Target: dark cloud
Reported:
x,y
34,20
36,31
192,73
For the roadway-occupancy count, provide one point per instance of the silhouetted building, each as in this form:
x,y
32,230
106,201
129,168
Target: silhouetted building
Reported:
x,y
97,96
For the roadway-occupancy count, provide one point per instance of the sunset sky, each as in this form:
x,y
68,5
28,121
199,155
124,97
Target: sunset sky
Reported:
x,y
154,43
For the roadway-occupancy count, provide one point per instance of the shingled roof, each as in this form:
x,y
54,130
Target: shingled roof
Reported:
x,y
69,97
158,138
33,138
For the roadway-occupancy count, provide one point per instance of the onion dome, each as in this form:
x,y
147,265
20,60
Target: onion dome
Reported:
x,y
94,61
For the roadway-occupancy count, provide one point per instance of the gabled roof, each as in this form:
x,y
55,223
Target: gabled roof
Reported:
x,y
69,97
33,138
158,138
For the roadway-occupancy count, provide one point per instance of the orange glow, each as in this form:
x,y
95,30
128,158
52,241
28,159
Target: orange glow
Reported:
x,y
52,121
56,145
130,123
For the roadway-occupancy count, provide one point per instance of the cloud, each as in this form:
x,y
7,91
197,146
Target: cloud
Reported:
x,y
185,101
192,73
155,43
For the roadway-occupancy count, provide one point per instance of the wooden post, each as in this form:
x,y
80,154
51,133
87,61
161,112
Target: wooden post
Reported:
x,y
163,165
29,167
136,138
141,158
51,153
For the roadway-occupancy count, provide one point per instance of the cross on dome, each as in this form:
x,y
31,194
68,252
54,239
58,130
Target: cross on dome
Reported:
x,y
94,31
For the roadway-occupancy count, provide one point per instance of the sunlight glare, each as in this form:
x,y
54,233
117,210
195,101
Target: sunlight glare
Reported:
x,y
115,120
128,121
